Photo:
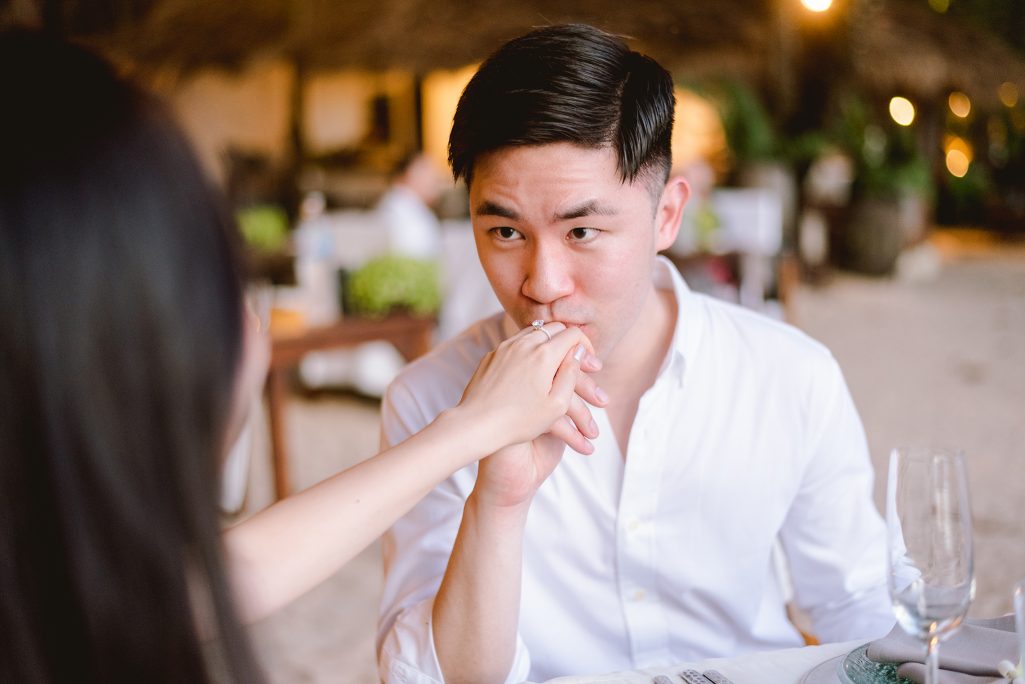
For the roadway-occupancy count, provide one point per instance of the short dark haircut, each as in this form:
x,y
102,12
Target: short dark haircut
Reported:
x,y
120,338
570,83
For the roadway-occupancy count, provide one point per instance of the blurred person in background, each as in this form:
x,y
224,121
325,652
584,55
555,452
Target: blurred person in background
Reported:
x,y
405,209
126,366
725,434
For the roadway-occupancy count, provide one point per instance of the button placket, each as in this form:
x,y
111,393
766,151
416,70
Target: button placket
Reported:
x,y
645,616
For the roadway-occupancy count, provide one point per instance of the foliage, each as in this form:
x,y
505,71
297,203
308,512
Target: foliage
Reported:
x,y
394,282
264,227
749,131
751,134
887,159
964,198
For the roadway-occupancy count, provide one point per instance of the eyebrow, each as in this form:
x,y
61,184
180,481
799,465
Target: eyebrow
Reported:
x,y
588,208
488,208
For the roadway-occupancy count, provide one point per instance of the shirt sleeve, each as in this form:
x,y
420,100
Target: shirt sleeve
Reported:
x,y
833,537
416,551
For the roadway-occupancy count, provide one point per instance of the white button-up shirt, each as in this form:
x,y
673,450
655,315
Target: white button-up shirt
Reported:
x,y
748,435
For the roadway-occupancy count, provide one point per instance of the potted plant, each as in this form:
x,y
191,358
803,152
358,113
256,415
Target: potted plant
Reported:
x,y
390,283
762,157
890,192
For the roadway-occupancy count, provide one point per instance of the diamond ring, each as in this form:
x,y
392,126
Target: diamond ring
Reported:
x,y
540,325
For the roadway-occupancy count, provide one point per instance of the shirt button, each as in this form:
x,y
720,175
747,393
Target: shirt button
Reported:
x,y
638,595
633,525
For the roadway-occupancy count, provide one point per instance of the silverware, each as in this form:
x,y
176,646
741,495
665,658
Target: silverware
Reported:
x,y
716,677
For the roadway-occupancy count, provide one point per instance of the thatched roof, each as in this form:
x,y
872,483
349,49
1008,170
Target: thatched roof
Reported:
x,y
906,47
895,44
421,35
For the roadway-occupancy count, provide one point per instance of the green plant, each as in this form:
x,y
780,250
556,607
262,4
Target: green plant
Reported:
x,y
264,227
394,282
888,162
749,131
752,135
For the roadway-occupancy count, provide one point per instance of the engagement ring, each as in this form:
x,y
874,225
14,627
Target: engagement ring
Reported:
x,y
540,325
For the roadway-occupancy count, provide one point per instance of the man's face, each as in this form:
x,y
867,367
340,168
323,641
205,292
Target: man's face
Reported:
x,y
562,238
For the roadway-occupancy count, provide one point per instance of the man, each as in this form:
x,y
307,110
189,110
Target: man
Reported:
x,y
721,431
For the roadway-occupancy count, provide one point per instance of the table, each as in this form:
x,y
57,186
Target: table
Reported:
x,y
787,666
410,335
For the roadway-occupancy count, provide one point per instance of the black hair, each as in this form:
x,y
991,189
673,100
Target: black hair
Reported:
x,y
120,334
570,83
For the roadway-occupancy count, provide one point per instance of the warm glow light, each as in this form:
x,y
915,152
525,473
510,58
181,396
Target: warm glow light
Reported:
x,y
957,163
953,142
902,111
1008,94
959,155
698,133
817,5
441,90
959,103
940,6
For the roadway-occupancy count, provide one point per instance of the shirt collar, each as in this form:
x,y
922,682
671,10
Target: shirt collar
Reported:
x,y
683,345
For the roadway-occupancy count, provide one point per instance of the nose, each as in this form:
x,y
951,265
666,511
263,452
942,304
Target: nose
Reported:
x,y
548,275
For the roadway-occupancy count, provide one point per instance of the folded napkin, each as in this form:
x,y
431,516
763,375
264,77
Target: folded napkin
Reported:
x,y
970,656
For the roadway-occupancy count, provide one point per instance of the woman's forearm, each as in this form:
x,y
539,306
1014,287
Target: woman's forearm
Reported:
x,y
287,549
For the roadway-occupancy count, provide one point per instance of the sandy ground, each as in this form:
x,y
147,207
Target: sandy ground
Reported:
x,y
930,360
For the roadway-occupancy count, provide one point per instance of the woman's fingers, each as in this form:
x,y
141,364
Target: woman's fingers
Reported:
x,y
530,382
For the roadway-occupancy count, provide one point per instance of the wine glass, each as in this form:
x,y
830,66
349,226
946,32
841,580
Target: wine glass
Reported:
x,y
929,534
1019,624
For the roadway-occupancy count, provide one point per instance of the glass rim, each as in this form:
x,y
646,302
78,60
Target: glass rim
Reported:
x,y
919,451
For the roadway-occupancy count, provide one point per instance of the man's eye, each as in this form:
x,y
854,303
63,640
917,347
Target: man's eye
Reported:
x,y
583,234
506,233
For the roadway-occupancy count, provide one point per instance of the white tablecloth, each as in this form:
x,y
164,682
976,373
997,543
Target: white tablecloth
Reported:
x,y
772,667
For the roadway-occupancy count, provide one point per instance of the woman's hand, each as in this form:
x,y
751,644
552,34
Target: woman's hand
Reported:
x,y
250,374
530,385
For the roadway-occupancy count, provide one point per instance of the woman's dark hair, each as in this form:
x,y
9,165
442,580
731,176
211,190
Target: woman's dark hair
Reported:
x,y
570,83
120,333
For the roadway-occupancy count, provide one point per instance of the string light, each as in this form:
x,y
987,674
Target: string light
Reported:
x,y
958,157
817,5
902,111
959,104
1008,93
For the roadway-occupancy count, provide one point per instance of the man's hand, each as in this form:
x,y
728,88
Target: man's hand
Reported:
x,y
511,476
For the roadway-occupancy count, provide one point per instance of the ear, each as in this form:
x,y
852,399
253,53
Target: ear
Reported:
x,y
670,211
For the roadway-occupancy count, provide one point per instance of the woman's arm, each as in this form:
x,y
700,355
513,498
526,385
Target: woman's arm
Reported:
x,y
522,389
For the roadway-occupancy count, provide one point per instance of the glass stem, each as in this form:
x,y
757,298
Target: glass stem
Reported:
x,y
932,659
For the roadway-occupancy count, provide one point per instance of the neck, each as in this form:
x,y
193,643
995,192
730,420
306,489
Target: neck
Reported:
x,y
632,366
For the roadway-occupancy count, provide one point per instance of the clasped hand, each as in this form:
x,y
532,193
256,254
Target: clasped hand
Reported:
x,y
537,390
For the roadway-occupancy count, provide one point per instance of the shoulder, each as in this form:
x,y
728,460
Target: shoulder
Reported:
x,y
436,380
766,343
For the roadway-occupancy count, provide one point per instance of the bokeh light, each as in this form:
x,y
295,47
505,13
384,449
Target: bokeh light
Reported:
x,y
1008,93
959,104
958,155
940,6
817,5
902,111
